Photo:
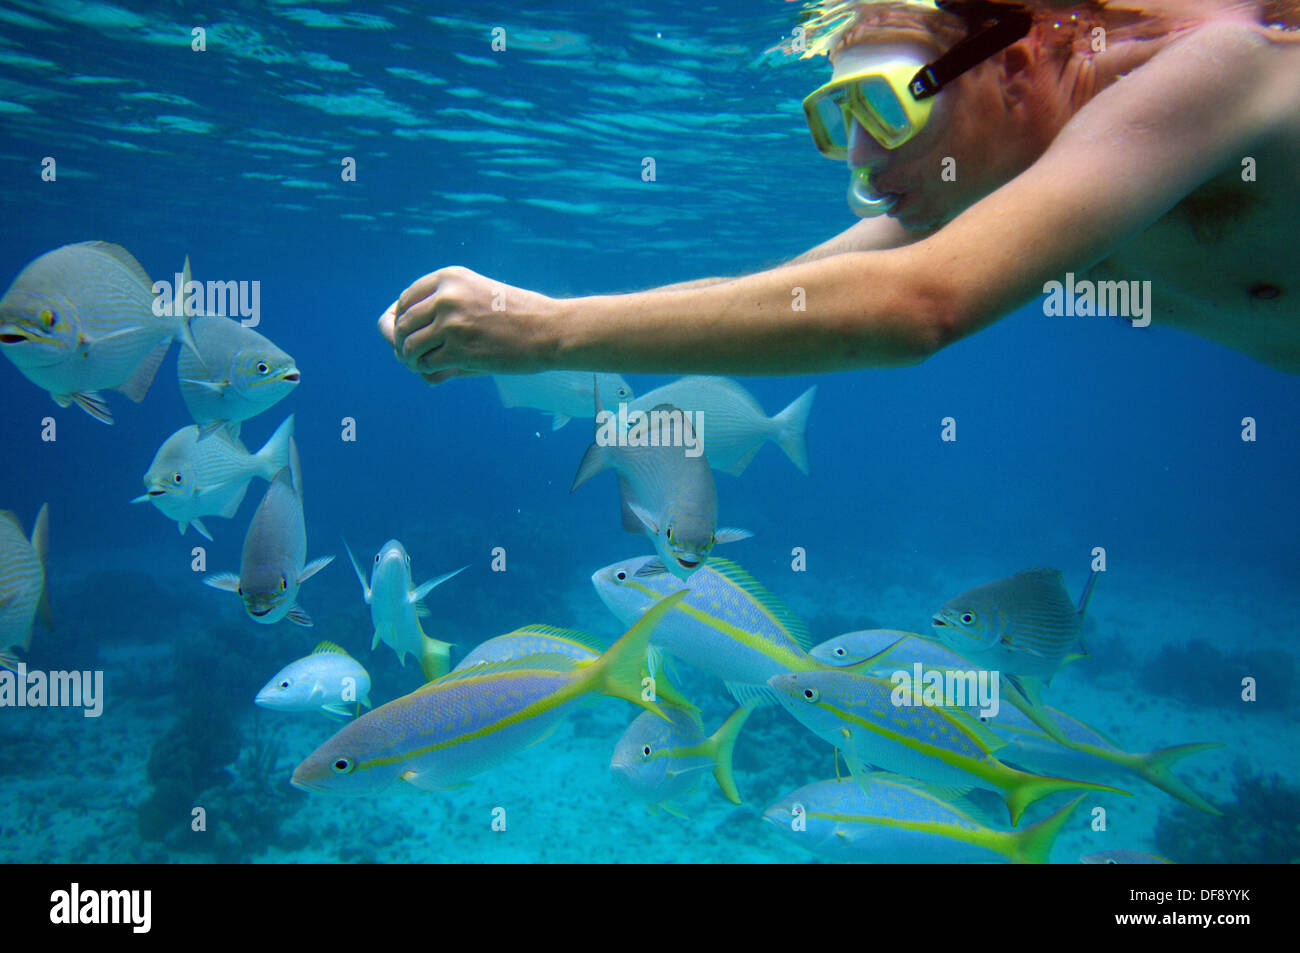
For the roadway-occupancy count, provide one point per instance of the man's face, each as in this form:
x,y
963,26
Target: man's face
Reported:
x,y
959,137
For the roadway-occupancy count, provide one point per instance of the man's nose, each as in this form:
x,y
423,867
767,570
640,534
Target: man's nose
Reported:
x,y
864,151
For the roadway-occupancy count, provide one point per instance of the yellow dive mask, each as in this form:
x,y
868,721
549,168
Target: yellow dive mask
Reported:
x,y
888,88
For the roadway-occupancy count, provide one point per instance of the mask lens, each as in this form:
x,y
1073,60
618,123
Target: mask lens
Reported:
x,y
884,107
829,114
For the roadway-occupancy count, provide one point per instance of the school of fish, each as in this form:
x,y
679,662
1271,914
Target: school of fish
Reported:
x,y
934,780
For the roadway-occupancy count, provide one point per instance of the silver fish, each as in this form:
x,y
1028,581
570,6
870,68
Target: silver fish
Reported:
x,y
666,492
81,319
273,564
737,425
396,606
236,374
328,680
1025,626
23,591
562,394
191,477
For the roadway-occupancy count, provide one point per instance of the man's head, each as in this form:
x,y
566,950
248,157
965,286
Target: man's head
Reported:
x,y
1001,100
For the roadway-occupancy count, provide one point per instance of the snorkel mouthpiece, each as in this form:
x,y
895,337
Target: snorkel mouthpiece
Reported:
x,y
864,200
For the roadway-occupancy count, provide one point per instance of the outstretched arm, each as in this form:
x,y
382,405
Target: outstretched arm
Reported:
x,y
1122,162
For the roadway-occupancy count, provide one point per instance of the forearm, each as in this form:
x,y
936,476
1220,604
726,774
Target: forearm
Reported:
x,y
690,285
858,310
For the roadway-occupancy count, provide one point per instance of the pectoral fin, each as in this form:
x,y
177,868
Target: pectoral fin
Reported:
x,y
222,580
313,567
298,616
731,535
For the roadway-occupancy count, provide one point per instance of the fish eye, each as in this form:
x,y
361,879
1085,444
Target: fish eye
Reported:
x,y
342,766
645,752
839,650
620,575
283,584
378,557
261,367
286,683
47,317
810,694
670,534
178,478
1112,861
968,618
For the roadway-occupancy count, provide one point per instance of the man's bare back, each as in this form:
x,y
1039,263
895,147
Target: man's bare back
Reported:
x,y
1222,262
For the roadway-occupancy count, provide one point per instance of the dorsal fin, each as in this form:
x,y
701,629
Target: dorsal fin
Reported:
x,y
794,626
329,648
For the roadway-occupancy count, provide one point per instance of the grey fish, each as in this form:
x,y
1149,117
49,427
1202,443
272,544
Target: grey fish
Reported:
x,y
1025,626
666,492
738,426
81,319
23,591
275,551
236,374
190,477
562,394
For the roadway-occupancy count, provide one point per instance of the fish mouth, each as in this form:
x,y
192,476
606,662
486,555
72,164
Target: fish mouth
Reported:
x,y
258,613
291,377
688,563
157,493
13,337
936,622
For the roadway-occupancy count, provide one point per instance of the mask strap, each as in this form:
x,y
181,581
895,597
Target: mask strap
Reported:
x,y
1009,22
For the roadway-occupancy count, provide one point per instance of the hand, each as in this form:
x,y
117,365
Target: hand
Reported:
x,y
456,323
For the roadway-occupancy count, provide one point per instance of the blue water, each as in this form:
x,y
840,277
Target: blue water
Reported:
x,y
526,165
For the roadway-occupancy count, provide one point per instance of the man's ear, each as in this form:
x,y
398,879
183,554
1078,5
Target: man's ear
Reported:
x,y
1017,63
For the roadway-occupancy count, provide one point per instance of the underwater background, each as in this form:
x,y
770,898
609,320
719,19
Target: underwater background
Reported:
x,y
525,165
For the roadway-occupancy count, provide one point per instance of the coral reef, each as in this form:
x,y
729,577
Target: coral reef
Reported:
x,y
1261,827
1199,673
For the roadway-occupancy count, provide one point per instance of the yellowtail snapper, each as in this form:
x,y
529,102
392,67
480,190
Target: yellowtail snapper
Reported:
x,y
467,722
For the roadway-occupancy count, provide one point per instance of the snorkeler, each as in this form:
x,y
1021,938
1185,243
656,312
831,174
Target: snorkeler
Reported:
x,y
992,151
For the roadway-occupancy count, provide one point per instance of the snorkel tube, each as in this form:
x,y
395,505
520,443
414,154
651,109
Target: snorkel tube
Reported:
x,y
864,200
